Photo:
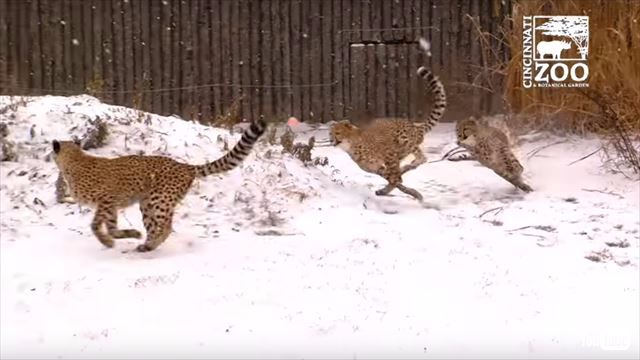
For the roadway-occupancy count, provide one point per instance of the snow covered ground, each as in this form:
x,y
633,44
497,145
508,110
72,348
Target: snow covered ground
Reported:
x,y
275,259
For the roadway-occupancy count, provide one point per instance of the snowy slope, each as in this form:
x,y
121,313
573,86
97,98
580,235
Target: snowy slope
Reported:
x,y
281,260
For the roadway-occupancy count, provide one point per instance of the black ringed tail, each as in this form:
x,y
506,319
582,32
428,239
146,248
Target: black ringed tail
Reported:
x,y
236,155
439,97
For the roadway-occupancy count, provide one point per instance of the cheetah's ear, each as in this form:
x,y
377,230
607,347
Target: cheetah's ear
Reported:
x,y
56,146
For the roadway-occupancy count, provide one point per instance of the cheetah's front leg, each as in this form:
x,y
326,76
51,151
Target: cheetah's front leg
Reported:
x,y
394,178
519,183
462,157
419,160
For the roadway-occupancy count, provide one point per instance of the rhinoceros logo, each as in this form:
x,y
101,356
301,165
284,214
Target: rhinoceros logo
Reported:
x,y
553,48
556,35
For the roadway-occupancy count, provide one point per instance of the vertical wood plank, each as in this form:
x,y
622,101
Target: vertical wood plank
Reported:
x,y
137,49
57,38
487,60
35,70
296,57
359,83
372,72
145,48
4,47
167,35
415,98
286,52
445,39
276,62
204,59
256,75
387,20
392,80
187,65
212,65
129,50
155,48
382,107
328,59
175,81
402,80
464,38
194,110
375,20
266,64
358,56
107,53
87,44
14,43
436,33
345,40
76,44
24,45
11,79
475,55
408,54
117,52
97,72
225,76
65,44
337,67
315,63
453,46
236,56
245,61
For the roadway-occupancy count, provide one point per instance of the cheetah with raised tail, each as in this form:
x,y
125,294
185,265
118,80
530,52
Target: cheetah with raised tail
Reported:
x,y
158,183
491,148
381,147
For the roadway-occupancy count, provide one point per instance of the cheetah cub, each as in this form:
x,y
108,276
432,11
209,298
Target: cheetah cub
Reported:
x,y
491,148
383,146
157,183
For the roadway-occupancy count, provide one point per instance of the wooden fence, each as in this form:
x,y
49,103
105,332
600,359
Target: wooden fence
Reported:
x,y
315,59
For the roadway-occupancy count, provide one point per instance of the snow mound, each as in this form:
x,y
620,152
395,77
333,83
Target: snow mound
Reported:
x,y
263,190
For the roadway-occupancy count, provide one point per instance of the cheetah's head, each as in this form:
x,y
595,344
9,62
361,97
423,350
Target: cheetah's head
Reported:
x,y
341,132
64,150
466,128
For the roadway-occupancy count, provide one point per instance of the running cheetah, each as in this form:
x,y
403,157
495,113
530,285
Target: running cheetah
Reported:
x,y
490,147
383,146
158,183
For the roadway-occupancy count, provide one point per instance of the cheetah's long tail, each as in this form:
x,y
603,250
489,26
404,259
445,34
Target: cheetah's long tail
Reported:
x,y
236,155
439,97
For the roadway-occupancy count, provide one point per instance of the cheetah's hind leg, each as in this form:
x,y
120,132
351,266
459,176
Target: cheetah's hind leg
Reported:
x,y
114,232
100,217
157,221
410,191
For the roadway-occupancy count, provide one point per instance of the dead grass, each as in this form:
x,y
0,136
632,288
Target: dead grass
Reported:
x,y
301,151
96,135
231,116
